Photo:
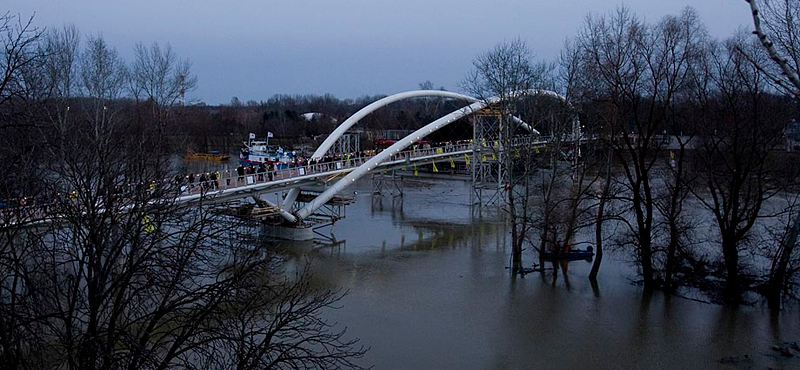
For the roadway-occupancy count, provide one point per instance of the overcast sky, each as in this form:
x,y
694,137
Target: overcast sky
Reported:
x,y
349,48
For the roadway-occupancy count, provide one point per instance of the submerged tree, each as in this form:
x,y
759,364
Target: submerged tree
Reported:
x,y
507,73
776,25
567,170
638,72
736,155
590,173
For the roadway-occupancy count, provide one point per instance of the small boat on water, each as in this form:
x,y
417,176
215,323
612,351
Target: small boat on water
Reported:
x,y
256,152
572,255
212,155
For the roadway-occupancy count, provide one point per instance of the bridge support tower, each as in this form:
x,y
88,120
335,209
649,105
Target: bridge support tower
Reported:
x,y
489,157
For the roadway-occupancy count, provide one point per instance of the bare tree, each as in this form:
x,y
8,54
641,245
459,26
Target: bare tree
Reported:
x,y
128,278
161,79
103,269
781,235
737,159
639,72
685,37
103,79
276,326
60,49
579,88
565,172
611,45
507,72
19,40
776,25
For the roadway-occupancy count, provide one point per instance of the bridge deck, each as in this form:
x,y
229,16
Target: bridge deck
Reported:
x,y
231,185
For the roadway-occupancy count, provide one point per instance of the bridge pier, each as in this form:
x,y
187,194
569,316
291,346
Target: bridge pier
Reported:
x,y
290,232
382,180
327,215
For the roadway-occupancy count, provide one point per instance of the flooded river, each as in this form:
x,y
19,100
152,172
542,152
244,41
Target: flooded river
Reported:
x,y
429,289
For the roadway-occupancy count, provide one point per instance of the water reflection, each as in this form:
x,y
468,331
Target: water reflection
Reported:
x,y
393,205
429,288
595,288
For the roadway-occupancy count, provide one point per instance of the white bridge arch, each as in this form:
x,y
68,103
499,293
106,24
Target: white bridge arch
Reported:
x,y
355,118
386,154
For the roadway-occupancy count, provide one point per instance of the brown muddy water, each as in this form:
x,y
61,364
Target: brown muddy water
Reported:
x,y
429,289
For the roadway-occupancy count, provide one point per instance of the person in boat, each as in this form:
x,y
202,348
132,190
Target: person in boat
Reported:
x,y
270,169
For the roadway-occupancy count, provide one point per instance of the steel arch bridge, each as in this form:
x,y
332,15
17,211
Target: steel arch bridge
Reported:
x,y
375,163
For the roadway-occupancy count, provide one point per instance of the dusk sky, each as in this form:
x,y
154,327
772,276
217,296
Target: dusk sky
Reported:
x,y
348,48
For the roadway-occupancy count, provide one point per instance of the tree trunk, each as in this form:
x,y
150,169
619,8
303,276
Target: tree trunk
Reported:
x,y
598,256
516,244
647,262
777,279
731,255
598,231
674,211
671,251
645,237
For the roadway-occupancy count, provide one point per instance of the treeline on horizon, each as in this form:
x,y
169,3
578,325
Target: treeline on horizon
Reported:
x,y
225,126
51,71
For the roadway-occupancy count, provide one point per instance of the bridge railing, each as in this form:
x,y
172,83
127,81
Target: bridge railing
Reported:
x,y
230,179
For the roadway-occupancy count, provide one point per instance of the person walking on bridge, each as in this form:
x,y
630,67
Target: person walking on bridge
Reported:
x,y
240,171
203,182
213,178
261,170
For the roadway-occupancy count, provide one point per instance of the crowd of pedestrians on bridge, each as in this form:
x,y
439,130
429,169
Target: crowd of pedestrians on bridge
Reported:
x,y
263,172
242,175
